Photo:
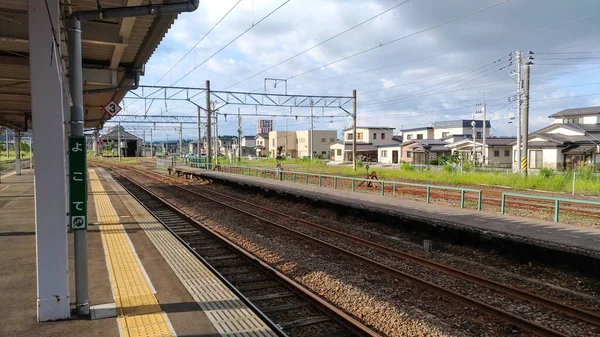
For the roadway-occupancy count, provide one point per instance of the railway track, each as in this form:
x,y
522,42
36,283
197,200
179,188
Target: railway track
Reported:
x,y
579,314
491,198
286,306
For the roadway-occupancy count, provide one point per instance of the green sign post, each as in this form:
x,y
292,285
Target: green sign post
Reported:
x,y
77,183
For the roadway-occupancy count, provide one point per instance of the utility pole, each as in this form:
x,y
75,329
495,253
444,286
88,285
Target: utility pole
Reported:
x,y
151,145
180,139
483,109
525,163
473,124
144,143
7,147
518,56
286,137
199,133
216,134
208,117
311,130
119,139
353,130
239,149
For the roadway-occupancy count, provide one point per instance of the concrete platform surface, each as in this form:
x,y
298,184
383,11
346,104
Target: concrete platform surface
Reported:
x,y
556,236
129,265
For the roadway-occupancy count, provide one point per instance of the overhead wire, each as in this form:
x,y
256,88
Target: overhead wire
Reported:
x,y
398,39
230,42
199,41
319,44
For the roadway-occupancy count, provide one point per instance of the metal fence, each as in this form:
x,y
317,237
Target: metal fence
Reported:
x,y
557,202
351,182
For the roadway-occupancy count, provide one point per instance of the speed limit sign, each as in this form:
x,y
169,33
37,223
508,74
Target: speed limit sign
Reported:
x,y
112,108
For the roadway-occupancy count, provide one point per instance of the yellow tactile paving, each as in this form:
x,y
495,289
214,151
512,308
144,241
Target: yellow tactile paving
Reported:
x,y
230,316
139,314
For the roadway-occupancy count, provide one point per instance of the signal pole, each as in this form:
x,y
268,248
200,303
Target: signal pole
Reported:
x,y
525,163
239,149
519,85
311,130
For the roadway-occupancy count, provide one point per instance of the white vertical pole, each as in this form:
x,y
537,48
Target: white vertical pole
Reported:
x,y
119,139
519,145
311,129
17,138
484,136
30,156
47,109
151,145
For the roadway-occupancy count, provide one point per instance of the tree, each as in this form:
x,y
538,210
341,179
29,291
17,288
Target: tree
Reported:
x,y
2,147
25,147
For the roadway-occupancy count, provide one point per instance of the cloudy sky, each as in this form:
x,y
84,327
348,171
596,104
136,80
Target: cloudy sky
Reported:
x,y
424,60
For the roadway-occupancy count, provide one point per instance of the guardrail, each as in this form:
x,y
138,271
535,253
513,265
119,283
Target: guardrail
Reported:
x,y
294,176
557,202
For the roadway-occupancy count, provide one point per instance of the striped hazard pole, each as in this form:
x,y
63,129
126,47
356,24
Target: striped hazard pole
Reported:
x,y
524,165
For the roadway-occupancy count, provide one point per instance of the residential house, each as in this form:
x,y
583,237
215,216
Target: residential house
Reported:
x,y
498,151
444,129
287,141
460,128
367,140
418,133
248,144
193,146
390,153
321,141
130,146
573,138
226,143
261,144
423,151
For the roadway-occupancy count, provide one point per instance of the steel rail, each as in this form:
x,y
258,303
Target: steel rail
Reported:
x,y
569,310
342,317
527,325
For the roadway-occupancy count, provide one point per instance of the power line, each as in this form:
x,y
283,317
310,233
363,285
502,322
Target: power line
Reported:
x,y
319,44
399,39
230,42
197,43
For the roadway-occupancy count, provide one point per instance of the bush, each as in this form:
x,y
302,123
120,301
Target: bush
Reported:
x,y
434,162
359,164
447,168
546,172
442,160
586,172
406,167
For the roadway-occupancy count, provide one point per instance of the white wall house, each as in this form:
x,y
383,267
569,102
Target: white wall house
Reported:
x,y
262,144
367,140
418,133
248,144
389,154
322,140
573,138
498,151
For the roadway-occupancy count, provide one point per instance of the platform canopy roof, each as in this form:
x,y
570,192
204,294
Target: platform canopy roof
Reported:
x,y
113,50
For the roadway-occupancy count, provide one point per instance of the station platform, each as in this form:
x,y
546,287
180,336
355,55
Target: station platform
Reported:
x,y
550,235
159,287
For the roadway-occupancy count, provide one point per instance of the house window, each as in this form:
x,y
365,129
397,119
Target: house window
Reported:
x,y
496,153
507,153
338,152
445,134
479,135
535,159
323,152
359,136
374,135
420,136
573,120
323,140
383,153
408,137
382,135
349,136
409,154
332,140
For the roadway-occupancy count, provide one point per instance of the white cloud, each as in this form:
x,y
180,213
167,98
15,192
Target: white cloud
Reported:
x,y
467,45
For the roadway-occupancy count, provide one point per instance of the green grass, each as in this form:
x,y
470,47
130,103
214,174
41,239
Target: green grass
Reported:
x,y
3,157
554,183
